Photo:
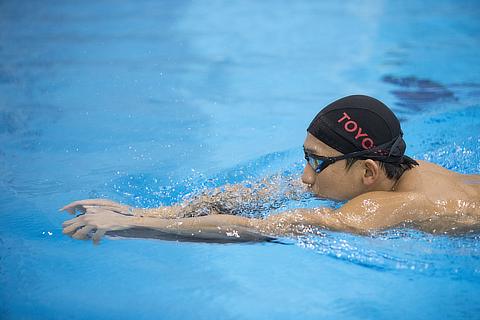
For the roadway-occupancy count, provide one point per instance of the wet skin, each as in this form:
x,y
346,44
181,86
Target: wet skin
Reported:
x,y
427,197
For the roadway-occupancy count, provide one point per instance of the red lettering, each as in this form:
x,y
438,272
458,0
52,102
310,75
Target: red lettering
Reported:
x,y
345,116
360,134
349,127
367,143
352,126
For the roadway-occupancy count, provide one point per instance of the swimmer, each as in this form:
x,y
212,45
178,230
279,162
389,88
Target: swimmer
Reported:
x,y
354,151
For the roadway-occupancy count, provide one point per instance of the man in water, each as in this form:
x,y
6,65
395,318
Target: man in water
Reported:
x,y
355,152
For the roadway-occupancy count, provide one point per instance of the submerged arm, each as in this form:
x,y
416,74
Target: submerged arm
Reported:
x,y
233,199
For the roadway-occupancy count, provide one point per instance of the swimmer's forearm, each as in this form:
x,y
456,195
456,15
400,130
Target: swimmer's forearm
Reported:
x,y
289,223
216,228
218,224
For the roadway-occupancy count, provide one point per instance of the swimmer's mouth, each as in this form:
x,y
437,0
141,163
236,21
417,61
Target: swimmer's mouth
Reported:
x,y
309,189
318,195
313,194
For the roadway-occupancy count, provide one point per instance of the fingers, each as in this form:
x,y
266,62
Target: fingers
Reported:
x,y
94,202
67,223
73,205
82,227
80,205
82,233
98,235
71,221
125,210
73,227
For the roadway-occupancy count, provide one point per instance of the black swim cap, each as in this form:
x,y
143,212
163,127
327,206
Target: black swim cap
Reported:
x,y
363,125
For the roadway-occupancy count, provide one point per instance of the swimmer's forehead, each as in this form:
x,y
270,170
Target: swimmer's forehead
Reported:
x,y
316,146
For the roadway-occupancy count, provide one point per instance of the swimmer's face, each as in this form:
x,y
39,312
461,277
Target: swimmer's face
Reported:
x,y
335,181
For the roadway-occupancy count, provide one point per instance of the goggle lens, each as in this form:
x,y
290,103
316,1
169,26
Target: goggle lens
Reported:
x,y
316,164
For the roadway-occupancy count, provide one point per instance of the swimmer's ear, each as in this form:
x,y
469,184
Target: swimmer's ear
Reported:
x,y
371,172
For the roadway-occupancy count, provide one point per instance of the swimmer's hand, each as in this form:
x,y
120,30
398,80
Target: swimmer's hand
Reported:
x,y
82,206
95,223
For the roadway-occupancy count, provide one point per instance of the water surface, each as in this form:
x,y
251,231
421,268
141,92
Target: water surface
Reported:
x,y
144,102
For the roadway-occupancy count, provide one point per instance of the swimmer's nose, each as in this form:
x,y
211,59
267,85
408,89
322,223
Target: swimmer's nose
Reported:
x,y
308,176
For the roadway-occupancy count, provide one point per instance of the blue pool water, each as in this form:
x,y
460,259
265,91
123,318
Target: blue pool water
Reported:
x,y
145,102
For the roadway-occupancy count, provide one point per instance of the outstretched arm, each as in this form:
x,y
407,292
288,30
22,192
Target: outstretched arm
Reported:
x,y
370,212
213,228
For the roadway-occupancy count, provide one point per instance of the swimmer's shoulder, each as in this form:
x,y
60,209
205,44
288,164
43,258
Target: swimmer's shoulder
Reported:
x,y
439,183
430,167
422,178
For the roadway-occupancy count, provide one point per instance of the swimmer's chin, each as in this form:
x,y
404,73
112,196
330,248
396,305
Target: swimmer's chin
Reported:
x,y
319,195
322,196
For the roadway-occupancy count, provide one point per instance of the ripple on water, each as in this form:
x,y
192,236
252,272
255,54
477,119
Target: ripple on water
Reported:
x,y
401,250
418,94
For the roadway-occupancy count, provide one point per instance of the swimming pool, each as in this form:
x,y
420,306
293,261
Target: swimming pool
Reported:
x,y
144,102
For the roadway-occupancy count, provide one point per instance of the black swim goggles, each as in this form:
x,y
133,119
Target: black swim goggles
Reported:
x,y
319,163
